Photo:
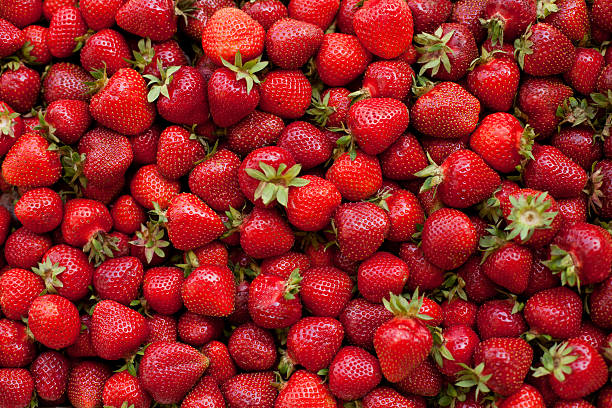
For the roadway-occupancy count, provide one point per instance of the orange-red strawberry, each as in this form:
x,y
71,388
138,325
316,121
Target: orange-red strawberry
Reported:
x,y
230,30
358,177
290,43
121,103
155,19
30,163
384,27
543,51
209,290
341,59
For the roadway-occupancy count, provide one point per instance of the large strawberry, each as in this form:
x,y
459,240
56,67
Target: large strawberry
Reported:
x,y
54,321
66,26
539,99
312,342
507,20
121,103
311,207
264,233
543,51
154,19
50,374
353,373
30,163
286,93
356,175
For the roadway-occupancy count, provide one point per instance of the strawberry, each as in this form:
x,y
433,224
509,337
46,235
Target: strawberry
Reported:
x,y
21,13
127,215
403,158
168,371
266,12
221,367
124,388
37,51
319,13
325,290
446,111
230,30
17,347
16,387
571,17
459,342
469,13
40,210
162,328
273,302
425,380
144,145
360,320
423,273
252,348
331,107
527,396
54,321
66,271
24,249
66,81
121,103
451,46
308,145
344,18
381,274
385,397
250,390
11,127
543,51
459,312
205,393
86,383
12,38
600,305
19,87
18,288
83,347
376,123
106,48
161,289
552,171
574,369
290,43
448,238
405,213
585,70
310,207
356,178
428,15
100,14
118,279
353,373
256,130
500,365
107,156
494,80
153,19
579,145
284,264
304,389
556,312
150,56
361,229
209,290
508,20
177,152
50,374
313,342
403,342
67,119
500,318
601,13
65,28
197,16
148,186
257,230
197,330
341,59
285,93
386,79
604,82
384,27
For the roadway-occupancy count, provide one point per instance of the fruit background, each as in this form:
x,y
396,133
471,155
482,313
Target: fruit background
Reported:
x,y
306,203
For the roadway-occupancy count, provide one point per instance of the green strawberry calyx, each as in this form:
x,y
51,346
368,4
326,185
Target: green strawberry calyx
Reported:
x,y
7,121
556,361
50,272
546,8
434,51
523,46
492,242
434,174
274,183
529,212
246,71
292,286
159,86
319,108
100,247
401,306
495,28
151,238
563,262
474,377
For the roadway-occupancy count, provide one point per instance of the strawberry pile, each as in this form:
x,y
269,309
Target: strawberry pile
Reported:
x,y
306,203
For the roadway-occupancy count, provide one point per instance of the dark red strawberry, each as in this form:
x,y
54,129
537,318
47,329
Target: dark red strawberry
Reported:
x,y
252,348
508,20
423,274
325,290
500,318
353,373
571,17
119,279
319,13
66,81
65,29
585,69
539,99
274,302
543,51
250,390
12,38
100,14
264,233
19,87
290,43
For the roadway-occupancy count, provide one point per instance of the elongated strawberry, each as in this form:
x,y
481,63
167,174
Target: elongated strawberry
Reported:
x,y
66,26
308,144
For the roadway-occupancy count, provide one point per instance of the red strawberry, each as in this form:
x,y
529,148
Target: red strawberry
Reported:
x,y
22,12
12,38
552,171
384,27
105,49
67,119
144,145
341,59
361,229
405,213
100,14
285,93
11,127
601,13
469,13
161,328
508,20
169,370
16,387
284,264
425,380
161,289
153,19
257,230
221,367
177,152
308,145
570,17
65,28
358,177
460,342
331,107
119,279
66,271
124,388
197,330
209,291
500,365
539,99
313,342
83,347
543,51
585,69
304,389
428,15
381,274
527,396
252,348
230,30
325,290
24,249
361,319
290,43
150,56
148,186
423,274
494,80
195,22
556,312
273,302
387,79
18,288
17,348
500,318
403,158
66,81
579,144
311,207
600,305
257,130
54,321
403,342
574,369
19,87
250,390
319,13
127,215
40,210
50,373
86,383
446,111
107,157
266,12
353,373
206,393
86,221
37,51
121,103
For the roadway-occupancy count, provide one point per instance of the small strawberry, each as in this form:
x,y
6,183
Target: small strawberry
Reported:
x,y
162,328
125,388
100,14
457,342
221,367
353,373
290,43
428,15
105,49
86,383
148,186
543,51
12,38
600,305
500,318
341,59
154,19
386,79
357,177
360,320
273,302
538,99
65,29
209,290
197,330
18,288
585,69
66,81
177,152
310,207
252,348
403,158
11,127
144,145
50,373
250,390
425,380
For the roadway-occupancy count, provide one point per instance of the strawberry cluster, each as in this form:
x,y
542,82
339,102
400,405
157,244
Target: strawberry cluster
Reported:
x,y
306,203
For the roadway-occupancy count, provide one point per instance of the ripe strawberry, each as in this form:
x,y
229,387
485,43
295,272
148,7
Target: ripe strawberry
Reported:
x,y
290,43
460,342
11,127
12,38
250,390
67,119
197,330
127,215
65,28
257,130
85,222
100,14
105,49
162,328
124,388
177,152
308,145
574,369
285,93
24,249
148,186
17,348
195,22
319,13
311,207
121,103
570,17
556,312
18,288
494,80
273,302
50,374
423,274
54,321
107,157
543,51
585,69
403,342
425,380
500,364
579,145
153,19
381,274
16,387
21,13
66,81
384,27
405,213
230,30
221,367
304,389
205,393
266,12
66,271
284,264
257,230
506,263
168,371
500,318
40,210
527,396
313,342
252,348
325,290
446,111
331,107
428,15
600,305
508,20
119,279
361,229
341,59
403,158
86,383
151,57
360,320
209,291
344,18
353,373
37,51
386,79
19,87
144,145
83,347
539,99
161,289
552,171
469,13
601,13
356,178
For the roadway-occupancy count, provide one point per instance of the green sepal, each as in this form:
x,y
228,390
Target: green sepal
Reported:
x,y
556,361
434,51
529,212
562,262
292,286
247,70
274,183
523,46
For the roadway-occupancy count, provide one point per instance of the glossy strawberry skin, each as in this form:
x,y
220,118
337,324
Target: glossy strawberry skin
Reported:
x,y
54,321
311,207
325,291
86,383
319,13
355,179
360,319
252,348
258,227
66,26
509,267
122,387
107,48
50,374
16,386
17,349
353,373
380,274
250,390
539,98
209,291
552,52
269,307
29,163
556,312
460,341
19,288
290,43
313,341
495,318
362,227
187,103
66,81
308,144
156,19
285,93
256,130
191,223
221,367
341,59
